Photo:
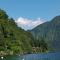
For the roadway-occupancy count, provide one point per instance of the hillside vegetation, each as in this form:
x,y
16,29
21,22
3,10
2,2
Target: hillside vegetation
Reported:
x,y
15,40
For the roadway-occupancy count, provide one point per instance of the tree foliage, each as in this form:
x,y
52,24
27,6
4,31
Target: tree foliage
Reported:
x,y
3,14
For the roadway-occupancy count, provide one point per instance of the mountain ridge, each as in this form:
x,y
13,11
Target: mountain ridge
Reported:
x,y
50,31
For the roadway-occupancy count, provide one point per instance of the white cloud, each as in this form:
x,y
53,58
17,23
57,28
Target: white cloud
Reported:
x,y
27,23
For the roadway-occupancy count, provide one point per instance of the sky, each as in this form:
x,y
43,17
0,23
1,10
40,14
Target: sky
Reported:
x,y
30,13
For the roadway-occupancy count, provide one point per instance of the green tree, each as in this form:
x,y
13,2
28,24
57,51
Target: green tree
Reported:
x,y
43,45
3,14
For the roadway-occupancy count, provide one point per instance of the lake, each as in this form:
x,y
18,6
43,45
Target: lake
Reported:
x,y
42,56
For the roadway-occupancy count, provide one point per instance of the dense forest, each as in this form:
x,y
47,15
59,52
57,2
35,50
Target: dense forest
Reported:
x,y
15,40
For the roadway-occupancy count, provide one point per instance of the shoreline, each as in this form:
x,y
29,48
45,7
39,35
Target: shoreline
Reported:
x,y
5,53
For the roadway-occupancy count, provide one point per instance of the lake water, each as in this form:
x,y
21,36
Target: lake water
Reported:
x,y
42,56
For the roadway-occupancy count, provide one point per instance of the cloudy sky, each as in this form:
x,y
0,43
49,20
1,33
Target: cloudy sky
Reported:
x,y
30,13
27,24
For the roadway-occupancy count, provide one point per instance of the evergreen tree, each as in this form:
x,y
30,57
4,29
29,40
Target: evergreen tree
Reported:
x,y
3,14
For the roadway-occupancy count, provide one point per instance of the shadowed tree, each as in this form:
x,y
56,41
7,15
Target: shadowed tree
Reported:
x,y
3,14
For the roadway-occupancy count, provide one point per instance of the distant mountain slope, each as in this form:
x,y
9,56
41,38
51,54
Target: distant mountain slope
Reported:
x,y
50,31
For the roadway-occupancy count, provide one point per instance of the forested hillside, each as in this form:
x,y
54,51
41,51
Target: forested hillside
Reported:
x,y
15,40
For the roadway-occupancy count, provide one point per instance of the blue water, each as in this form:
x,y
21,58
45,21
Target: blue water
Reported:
x,y
42,56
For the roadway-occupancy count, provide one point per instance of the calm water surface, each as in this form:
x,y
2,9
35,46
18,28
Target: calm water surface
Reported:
x,y
43,56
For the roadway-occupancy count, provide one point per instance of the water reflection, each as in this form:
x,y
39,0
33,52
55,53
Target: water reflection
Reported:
x,y
49,56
